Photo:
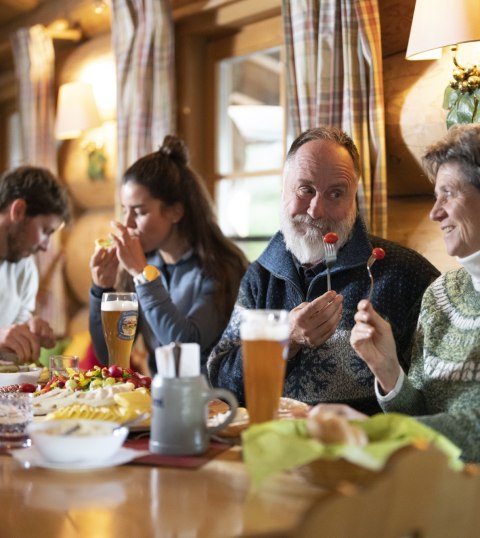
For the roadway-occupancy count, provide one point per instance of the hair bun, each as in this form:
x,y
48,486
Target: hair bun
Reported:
x,y
175,148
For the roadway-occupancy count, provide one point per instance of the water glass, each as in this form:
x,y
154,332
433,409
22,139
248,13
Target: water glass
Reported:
x,y
16,412
58,365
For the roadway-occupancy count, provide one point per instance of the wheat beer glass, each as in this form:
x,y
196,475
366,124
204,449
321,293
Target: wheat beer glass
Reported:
x,y
264,335
119,322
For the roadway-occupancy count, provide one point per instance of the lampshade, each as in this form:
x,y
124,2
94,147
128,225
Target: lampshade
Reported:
x,y
442,23
76,110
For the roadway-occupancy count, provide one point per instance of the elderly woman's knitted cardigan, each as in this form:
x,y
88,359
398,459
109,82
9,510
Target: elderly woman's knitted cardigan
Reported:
x,y
443,385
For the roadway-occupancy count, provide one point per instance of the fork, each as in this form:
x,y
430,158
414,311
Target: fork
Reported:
x,y
377,254
330,259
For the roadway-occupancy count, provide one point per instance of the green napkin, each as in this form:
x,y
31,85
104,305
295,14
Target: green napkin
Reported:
x,y
279,445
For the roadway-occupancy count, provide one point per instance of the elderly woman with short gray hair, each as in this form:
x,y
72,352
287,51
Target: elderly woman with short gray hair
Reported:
x,y
442,389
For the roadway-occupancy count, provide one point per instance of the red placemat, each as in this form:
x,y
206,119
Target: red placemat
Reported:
x,y
187,462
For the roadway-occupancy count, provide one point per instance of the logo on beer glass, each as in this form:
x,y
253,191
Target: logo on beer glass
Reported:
x,y
127,324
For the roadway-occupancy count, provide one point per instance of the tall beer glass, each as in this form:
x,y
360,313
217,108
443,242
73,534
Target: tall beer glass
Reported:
x,y
119,322
264,335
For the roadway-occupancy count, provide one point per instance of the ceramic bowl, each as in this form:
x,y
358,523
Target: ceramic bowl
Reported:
x,y
18,378
94,440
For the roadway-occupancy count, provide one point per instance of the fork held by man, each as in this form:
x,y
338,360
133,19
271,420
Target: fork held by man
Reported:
x,y
329,240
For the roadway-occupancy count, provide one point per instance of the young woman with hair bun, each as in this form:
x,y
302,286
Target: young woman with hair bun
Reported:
x,y
170,250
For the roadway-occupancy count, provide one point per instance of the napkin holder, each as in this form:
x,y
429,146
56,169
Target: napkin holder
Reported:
x,y
189,364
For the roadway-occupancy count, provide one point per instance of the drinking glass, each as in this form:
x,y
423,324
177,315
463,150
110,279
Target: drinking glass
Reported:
x,y
264,335
16,413
58,364
119,322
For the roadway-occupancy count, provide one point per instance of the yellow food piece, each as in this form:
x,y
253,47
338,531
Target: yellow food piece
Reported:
x,y
44,375
104,242
139,400
136,402
104,412
127,406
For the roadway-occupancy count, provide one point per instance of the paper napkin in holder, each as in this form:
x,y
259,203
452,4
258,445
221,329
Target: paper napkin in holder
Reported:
x,y
189,362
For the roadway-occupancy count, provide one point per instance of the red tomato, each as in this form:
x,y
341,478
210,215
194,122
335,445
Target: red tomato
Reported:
x,y
27,387
135,382
115,371
378,253
146,381
330,237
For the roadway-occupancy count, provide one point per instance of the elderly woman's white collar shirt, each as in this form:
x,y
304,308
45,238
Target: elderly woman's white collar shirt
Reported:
x,y
472,266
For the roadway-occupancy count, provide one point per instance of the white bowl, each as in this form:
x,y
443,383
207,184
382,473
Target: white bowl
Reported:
x,y
96,440
17,378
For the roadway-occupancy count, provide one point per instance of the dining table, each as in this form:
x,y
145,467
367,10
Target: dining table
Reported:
x,y
213,497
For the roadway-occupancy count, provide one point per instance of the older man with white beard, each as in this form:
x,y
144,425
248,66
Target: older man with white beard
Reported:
x,y
320,183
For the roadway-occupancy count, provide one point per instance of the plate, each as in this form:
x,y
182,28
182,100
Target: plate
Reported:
x,y
17,378
30,457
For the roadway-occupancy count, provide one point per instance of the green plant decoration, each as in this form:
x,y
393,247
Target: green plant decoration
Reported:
x,y
462,96
96,160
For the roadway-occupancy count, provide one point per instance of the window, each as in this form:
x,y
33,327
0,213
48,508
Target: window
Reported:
x,y
250,147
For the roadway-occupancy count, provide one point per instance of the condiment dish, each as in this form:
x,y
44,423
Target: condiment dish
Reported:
x,y
94,440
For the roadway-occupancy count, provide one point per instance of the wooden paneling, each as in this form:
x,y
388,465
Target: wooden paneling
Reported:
x,y
395,21
409,224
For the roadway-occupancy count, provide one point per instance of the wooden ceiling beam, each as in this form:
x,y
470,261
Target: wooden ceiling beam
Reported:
x,y
20,5
48,12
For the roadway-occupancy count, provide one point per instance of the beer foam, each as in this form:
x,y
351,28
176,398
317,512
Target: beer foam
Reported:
x,y
119,306
255,327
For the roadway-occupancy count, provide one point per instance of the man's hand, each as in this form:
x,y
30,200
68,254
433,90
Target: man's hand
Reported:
x,y
43,331
373,340
312,324
20,340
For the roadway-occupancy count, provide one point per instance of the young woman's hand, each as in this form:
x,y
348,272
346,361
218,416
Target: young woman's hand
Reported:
x,y
104,267
373,341
129,249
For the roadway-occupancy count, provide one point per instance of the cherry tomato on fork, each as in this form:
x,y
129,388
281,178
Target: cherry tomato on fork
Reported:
x,y
378,253
330,237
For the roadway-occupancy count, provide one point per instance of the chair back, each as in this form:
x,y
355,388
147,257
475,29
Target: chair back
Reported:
x,y
417,496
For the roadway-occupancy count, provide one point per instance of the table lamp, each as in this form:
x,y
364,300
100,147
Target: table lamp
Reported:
x,y
449,23
76,113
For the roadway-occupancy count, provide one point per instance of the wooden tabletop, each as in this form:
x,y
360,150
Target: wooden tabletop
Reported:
x,y
215,500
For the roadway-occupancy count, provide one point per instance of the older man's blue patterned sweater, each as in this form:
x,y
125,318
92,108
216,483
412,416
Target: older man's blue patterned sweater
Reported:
x,y
331,372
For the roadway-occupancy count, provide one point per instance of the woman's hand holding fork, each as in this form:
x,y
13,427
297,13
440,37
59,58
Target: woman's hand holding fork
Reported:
x,y
373,341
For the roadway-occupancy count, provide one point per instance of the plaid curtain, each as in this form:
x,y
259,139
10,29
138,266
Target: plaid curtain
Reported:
x,y
334,77
143,42
34,59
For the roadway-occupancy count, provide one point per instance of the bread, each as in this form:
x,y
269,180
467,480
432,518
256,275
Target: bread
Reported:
x,y
290,408
329,428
